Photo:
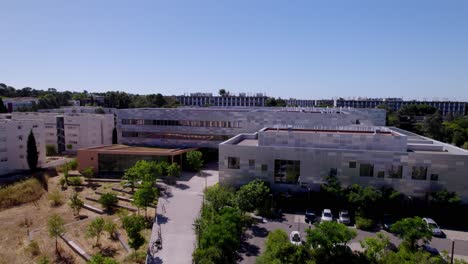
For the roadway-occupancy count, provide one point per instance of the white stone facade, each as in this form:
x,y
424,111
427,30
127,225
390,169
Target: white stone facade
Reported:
x,y
13,144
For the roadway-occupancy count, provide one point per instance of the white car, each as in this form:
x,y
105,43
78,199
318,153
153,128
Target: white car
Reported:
x,y
433,226
326,216
344,217
295,238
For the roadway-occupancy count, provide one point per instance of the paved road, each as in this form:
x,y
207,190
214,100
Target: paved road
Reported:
x,y
253,246
178,208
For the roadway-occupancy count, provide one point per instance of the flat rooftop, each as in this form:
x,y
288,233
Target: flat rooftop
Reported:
x,y
248,142
333,131
133,150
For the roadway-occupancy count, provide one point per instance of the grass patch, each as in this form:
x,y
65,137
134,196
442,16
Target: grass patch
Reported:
x,y
19,193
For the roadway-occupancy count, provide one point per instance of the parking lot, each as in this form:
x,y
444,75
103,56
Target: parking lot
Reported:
x,y
253,246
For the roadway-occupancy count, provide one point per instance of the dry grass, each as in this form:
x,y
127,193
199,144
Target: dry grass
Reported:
x,y
20,193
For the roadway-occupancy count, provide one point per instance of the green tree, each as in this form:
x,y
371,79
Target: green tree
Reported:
x,y
412,230
363,199
279,250
219,196
142,170
252,196
88,173
432,126
328,237
173,170
222,92
445,198
133,225
111,228
32,153
55,226
145,196
3,108
108,200
375,248
194,160
405,255
75,204
100,259
114,136
95,228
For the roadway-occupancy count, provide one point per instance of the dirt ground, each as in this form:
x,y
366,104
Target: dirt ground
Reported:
x,y
16,223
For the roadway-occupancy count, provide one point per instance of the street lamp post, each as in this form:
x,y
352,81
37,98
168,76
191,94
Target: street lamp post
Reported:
x,y
453,248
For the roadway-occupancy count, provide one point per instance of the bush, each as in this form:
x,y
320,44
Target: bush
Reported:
x,y
73,164
50,150
138,257
69,146
63,182
43,260
33,249
108,200
75,181
364,223
55,198
21,192
87,172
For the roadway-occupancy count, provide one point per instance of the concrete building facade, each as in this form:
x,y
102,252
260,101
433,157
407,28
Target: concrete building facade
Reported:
x,y
13,144
300,159
208,99
18,103
207,127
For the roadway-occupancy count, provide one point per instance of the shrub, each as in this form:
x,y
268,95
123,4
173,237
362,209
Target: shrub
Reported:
x,y
55,198
136,257
69,146
33,249
364,223
63,182
194,160
75,181
21,192
73,164
100,259
43,260
50,150
87,172
108,200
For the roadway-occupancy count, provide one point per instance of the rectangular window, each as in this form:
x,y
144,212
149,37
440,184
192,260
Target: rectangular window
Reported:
x,y
380,174
251,163
395,172
419,173
233,163
264,167
434,177
333,172
287,171
366,170
352,164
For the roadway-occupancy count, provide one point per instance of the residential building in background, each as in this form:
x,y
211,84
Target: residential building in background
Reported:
x,y
20,103
292,102
300,159
208,99
80,109
69,131
13,144
444,107
209,126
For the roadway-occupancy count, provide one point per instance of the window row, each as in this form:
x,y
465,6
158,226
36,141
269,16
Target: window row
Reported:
x,y
396,172
189,123
175,136
234,163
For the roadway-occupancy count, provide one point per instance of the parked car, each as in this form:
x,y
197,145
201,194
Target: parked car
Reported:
x,y
431,250
388,221
326,215
344,217
433,226
295,238
310,216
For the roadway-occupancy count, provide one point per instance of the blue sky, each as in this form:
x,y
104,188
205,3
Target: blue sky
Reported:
x,y
303,49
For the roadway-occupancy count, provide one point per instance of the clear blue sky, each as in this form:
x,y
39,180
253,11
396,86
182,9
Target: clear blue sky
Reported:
x,y
303,49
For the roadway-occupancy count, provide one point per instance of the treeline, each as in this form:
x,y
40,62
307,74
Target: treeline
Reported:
x,y
427,121
51,98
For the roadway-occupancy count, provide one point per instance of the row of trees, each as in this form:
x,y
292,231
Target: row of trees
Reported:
x,y
220,225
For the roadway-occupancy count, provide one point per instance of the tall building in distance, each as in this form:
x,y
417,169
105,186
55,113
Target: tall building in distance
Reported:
x,y
13,144
444,107
208,99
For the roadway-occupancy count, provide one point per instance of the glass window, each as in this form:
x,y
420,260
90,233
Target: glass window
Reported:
x,y
395,172
352,164
380,174
333,172
251,163
434,177
287,171
233,163
419,173
366,170
264,167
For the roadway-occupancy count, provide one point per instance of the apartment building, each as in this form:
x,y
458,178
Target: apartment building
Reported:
x,y
300,159
13,144
208,99
80,110
69,132
18,103
207,127
444,107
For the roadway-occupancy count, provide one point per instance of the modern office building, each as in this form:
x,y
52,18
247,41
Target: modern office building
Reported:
x,y
207,127
293,102
68,131
19,103
208,99
445,107
80,110
13,144
300,159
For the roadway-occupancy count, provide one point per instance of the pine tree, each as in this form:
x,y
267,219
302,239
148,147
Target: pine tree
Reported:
x,y
3,108
32,154
114,136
